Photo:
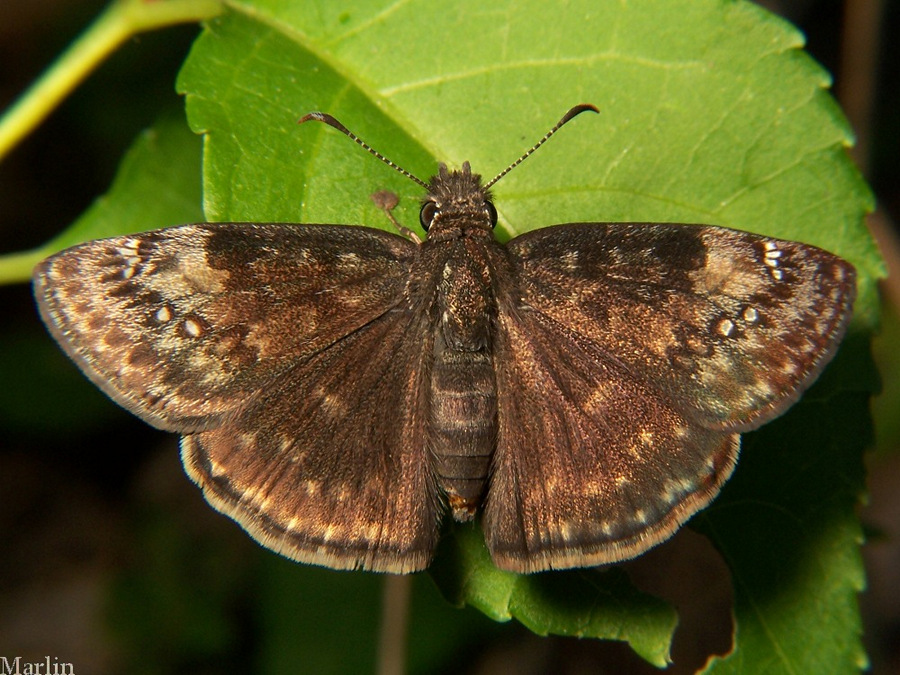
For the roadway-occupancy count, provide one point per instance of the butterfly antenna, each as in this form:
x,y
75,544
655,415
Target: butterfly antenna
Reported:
x,y
332,122
577,110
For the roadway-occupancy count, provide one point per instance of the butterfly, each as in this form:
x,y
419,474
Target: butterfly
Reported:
x,y
338,388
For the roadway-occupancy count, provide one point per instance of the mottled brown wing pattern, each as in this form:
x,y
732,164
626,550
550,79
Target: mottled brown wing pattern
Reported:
x,y
328,471
242,336
628,358
179,325
730,326
592,465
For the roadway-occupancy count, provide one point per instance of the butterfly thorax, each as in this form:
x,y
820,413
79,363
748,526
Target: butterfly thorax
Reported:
x,y
462,428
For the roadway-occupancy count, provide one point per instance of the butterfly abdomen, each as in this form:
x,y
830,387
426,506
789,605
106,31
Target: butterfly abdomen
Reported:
x,y
463,409
462,426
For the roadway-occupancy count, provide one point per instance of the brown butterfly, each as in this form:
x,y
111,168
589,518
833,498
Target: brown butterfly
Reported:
x,y
339,387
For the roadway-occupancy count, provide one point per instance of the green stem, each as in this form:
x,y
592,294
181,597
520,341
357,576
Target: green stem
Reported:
x,y
120,21
16,267
392,647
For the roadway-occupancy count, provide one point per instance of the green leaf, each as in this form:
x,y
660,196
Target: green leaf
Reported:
x,y
787,528
578,603
158,184
710,112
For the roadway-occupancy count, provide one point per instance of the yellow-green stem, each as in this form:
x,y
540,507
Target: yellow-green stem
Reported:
x,y
120,21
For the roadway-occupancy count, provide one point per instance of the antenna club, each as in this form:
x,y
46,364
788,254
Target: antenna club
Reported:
x,y
326,119
332,122
576,110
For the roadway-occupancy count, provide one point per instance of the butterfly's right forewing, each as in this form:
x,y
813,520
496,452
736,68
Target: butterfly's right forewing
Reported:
x,y
291,357
181,325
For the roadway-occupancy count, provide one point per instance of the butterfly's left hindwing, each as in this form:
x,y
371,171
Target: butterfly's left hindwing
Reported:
x,y
180,325
628,357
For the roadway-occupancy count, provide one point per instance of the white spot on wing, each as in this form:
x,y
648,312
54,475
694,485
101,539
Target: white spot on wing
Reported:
x,y
131,268
192,328
725,327
771,257
838,273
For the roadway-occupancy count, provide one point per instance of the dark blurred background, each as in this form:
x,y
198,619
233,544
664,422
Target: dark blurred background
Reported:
x,y
83,572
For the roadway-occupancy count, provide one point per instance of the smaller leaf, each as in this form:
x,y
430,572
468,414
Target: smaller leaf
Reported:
x,y
595,603
157,185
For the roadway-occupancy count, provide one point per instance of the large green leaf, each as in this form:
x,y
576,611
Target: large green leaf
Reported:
x,y
710,112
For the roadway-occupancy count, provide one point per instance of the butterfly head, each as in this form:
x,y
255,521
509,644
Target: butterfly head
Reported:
x,y
457,201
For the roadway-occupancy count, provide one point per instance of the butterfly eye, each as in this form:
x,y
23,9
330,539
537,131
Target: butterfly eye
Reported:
x,y
492,213
427,214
